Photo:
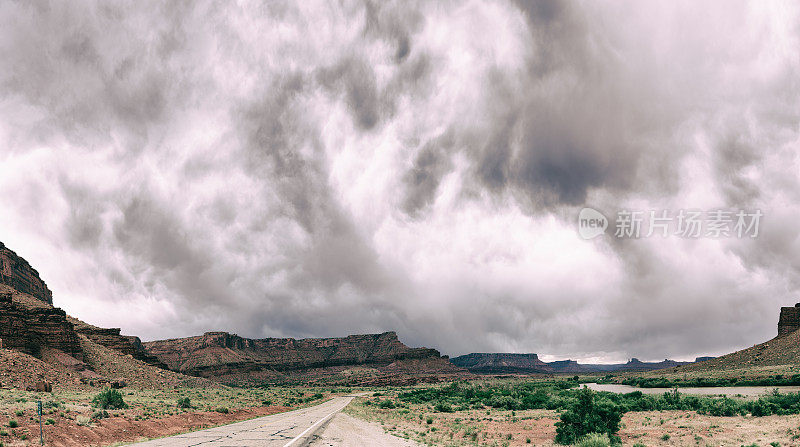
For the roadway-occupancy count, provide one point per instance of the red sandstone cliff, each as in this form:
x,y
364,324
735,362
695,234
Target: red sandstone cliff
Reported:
x,y
18,274
112,339
29,329
233,358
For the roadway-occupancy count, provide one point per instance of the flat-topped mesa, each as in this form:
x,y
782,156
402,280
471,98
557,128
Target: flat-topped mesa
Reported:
x,y
501,363
18,274
789,321
216,354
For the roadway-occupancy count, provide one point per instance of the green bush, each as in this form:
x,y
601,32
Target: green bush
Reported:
x,y
49,422
13,424
109,399
443,407
386,404
588,415
223,410
184,402
19,413
594,440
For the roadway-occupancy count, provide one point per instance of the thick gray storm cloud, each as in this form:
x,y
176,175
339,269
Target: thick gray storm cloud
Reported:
x,y
326,168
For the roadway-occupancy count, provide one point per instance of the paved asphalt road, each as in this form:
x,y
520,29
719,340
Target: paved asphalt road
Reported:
x,y
290,429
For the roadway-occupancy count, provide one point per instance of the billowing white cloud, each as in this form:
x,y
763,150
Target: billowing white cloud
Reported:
x,y
311,169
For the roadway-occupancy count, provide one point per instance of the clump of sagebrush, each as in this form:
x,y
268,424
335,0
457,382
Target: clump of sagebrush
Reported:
x,y
594,440
588,415
184,402
109,399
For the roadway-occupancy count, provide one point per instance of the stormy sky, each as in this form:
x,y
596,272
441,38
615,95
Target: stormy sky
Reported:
x,y
306,169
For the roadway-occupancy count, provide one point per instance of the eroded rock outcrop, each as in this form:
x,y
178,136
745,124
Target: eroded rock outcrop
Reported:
x,y
18,274
28,329
789,320
111,338
224,355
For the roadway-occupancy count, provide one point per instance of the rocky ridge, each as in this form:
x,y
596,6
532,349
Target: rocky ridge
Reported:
x,y
112,339
510,363
355,358
28,329
18,274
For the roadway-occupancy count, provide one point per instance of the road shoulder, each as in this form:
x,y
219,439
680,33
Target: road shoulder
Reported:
x,y
344,430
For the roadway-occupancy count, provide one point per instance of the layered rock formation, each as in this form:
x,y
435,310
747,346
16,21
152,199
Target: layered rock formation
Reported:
x,y
18,274
502,363
112,339
789,320
230,357
29,329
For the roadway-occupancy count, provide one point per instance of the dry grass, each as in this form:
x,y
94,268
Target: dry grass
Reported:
x,y
493,427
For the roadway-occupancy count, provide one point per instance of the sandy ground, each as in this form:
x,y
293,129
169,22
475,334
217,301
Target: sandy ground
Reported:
x,y
347,431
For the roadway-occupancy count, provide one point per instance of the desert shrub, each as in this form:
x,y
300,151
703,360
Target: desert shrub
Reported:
x,y
386,404
443,407
665,437
100,414
49,422
429,421
594,440
223,410
184,402
317,396
13,424
588,415
722,407
109,399
19,413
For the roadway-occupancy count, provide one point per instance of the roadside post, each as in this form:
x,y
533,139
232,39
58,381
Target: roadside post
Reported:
x,y
39,413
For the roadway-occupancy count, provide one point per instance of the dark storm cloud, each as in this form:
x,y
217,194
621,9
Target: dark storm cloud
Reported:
x,y
315,169
572,121
422,181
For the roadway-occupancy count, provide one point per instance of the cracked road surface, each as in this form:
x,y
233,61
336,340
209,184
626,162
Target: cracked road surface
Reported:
x,y
290,429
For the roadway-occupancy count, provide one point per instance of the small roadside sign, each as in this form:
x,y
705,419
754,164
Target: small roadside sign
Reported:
x,y
39,413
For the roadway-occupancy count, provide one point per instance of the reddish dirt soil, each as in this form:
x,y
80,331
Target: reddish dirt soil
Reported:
x,y
67,433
